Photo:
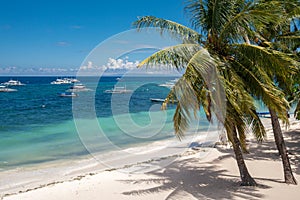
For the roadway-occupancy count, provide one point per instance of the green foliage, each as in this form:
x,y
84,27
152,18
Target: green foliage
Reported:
x,y
228,49
174,29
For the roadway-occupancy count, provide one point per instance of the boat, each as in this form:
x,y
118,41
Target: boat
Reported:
x,y
79,87
73,80
118,90
68,94
6,89
13,83
156,100
169,84
60,81
263,114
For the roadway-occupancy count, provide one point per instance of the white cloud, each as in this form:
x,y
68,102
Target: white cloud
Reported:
x,y
114,64
89,66
124,66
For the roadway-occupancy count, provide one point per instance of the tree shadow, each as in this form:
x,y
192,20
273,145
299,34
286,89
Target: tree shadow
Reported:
x,y
293,146
193,179
184,179
258,151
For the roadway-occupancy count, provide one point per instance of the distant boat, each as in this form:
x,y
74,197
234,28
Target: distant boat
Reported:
x,y
68,94
6,89
79,87
118,90
263,114
61,81
13,83
74,80
162,100
170,84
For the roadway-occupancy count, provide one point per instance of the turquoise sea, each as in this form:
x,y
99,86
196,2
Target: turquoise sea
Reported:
x,y
38,126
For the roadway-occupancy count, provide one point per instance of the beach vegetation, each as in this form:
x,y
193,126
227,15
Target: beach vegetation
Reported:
x,y
284,36
226,66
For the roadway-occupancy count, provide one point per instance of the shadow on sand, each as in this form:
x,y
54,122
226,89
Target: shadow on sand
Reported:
x,y
190,179
182,180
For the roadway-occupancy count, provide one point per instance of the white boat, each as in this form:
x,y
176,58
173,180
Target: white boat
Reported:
x,y
78,88
68,94
74,80
6,89
13,83
157,100
60,81
170,84
118,90
162,100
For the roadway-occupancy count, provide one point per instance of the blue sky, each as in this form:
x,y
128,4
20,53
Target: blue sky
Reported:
x,y
46,34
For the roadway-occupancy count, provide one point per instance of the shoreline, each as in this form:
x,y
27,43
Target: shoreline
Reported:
x,y
220,172
27,178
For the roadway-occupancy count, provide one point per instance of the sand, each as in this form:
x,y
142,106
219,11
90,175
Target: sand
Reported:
x,y
198,173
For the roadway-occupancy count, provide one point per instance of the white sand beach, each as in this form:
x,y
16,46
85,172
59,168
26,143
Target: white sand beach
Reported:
x,y
199,173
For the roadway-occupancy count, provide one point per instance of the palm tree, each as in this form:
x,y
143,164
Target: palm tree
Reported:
x,y
220,44
285,37
295,95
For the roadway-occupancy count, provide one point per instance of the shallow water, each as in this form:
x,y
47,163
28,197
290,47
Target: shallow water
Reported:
x,y
38,126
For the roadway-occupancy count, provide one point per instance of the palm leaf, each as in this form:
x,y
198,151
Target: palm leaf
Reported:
x,y
297,111
187,104
262,87
174,29
176,56
271,61
242,21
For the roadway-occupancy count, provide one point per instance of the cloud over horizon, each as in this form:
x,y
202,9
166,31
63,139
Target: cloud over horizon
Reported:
x,y
112,67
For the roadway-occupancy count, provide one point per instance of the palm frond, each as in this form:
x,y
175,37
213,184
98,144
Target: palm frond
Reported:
x,y
174,29
262,87
274,63
187,104
257,127
252,17
210,16
206,67
290,42
176,56
241,110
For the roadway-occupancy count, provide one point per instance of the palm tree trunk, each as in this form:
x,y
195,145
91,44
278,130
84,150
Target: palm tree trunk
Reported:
x,y
247,180
279,140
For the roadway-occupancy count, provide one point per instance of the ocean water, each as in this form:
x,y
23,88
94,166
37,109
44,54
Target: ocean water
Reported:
x,y
38,126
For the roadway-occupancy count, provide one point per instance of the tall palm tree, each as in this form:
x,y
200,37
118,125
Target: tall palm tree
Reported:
x,y
283,36
220,44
